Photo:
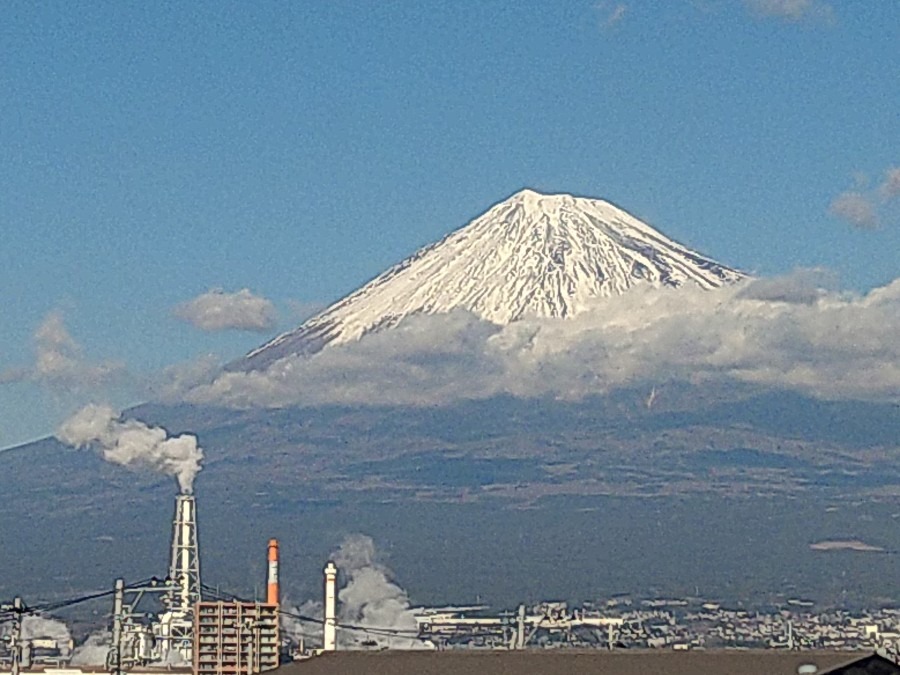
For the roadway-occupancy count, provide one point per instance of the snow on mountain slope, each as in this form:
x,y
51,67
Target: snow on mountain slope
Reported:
x,y
532,254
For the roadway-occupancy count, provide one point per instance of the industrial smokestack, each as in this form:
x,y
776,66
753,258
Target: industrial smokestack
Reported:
x,y
272,577
329,633
184,568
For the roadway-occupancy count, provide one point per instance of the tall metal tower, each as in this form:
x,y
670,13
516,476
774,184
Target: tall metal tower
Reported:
x,y
184,568
174,632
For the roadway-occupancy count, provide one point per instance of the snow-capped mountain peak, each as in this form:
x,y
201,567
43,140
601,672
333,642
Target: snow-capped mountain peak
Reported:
x,y
532,254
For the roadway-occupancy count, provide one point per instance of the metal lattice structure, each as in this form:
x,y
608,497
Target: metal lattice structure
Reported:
x,y
184,568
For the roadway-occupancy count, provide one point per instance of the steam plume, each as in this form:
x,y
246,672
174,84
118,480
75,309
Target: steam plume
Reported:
x,y
93,651
35,626
300,630
371,598
133,443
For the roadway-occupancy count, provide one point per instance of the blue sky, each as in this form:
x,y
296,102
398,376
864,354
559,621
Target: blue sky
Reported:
x,y
155,151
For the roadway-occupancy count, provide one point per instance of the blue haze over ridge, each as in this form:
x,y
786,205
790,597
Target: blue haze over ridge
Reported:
x,y
740,534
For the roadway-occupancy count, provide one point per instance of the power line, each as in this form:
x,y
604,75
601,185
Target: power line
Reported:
x,y
210,591
219,594
375,630
62,604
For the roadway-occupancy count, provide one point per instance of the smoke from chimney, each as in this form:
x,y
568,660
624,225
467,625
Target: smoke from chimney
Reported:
x,y
133,443
93,651
372,598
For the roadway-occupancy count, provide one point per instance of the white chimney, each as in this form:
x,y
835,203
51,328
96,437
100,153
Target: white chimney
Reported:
x,y
329,633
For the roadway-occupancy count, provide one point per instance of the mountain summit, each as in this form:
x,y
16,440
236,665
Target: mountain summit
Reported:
x,y
531,254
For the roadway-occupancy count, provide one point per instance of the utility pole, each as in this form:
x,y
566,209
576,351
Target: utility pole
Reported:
x,y
15,639
20,649
520,628
125,633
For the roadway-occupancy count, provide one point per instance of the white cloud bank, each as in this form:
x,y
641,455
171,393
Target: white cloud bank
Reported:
x,y
785,332
217,310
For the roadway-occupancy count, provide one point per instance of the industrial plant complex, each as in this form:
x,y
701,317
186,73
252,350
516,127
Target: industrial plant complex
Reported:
x,y
192,626
177,623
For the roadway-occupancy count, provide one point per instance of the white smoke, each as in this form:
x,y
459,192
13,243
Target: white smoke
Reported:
x,y
174,659
133,443
35,626
302,631
372,599
93,651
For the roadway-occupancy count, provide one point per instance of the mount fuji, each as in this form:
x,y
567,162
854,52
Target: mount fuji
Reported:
x,y
606,484
532,254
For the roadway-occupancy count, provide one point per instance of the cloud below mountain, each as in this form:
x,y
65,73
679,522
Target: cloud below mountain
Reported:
x,y
786,332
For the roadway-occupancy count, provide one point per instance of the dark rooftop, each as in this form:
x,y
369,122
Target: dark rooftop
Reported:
x,y
868,665
570,662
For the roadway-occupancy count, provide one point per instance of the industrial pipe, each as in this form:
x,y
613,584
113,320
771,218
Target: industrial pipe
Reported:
x,y
272,577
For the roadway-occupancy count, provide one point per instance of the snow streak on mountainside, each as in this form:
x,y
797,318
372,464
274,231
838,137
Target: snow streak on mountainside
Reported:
x,y
530,255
